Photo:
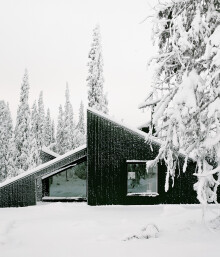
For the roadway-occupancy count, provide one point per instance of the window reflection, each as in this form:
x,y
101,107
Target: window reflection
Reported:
x,y
141,181
69,183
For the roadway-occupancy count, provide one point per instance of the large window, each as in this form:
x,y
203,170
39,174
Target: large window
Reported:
x,y
69,183
139,180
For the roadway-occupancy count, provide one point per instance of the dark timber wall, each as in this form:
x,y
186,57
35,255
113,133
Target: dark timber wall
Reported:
x,y
109,145
27,190
46,157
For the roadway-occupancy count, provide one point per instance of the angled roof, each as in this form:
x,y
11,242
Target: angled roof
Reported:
x,y
128,127
149,138
48,151
43,166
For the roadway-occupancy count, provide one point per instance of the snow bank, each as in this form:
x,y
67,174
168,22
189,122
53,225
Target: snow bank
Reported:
x,y
75,229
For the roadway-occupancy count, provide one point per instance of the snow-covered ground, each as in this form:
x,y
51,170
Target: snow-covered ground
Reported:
x,y
76,229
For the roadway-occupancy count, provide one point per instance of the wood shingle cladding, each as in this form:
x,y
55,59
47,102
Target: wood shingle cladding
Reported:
x,y
109,146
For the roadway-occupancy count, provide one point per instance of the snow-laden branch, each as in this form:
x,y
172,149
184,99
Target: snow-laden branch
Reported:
x,y
187,65
206,174
148,103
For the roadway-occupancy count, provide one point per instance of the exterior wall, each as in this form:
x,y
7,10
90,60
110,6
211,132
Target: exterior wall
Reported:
x,y
109,145
45,157
27,190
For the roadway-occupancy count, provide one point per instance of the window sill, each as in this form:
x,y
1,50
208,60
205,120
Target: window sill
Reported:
x,y
63,199
143,194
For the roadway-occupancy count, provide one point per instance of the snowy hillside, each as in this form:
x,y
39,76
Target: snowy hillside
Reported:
x,y
75,229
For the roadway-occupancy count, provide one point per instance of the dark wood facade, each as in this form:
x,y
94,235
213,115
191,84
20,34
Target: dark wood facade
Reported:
x,y
109,146
27,189
46,157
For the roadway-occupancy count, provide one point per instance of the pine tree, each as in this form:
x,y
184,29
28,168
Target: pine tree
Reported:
x,y
41,122
68,122
81,123
80,137
6,139
60,132
95,79
72,129
11,158
185,92
34,120
52,132
22,129
34,151
11,151
48,129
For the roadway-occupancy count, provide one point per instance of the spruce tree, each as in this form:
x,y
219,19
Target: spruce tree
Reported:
x,y
69,124
22,128
6,140
72,129
185,91
80,137
48,129
34,120
60,132
52,132
95,79
11,158
41,122
34,151
81,123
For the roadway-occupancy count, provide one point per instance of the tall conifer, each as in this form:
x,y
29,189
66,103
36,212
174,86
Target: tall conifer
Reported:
x,y
97,98
60,132
41,122
22,129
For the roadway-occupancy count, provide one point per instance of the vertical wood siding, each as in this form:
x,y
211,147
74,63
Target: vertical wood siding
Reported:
x,y
109,145
27,190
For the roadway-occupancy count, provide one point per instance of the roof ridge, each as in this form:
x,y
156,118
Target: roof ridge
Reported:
x,y
126,126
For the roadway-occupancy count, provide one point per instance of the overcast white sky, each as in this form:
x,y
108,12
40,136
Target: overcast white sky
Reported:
x,y
51,38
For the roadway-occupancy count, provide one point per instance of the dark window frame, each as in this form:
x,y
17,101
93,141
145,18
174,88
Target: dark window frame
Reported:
x,y
143,194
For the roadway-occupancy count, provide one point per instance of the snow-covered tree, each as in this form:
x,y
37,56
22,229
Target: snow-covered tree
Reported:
x,y
73,136
11,158
48,129
186,89
80,137
81,122
52,132
41,122
7,160
34,120
97,98
60,132
34,150
68,123
22,128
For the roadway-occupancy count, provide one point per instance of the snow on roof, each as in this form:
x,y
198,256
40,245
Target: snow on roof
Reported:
x,y
145,124
130,128
48,151
134,130
42,166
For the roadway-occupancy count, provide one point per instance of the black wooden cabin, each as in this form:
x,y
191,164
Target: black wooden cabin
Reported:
x,y
113,150
111,169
